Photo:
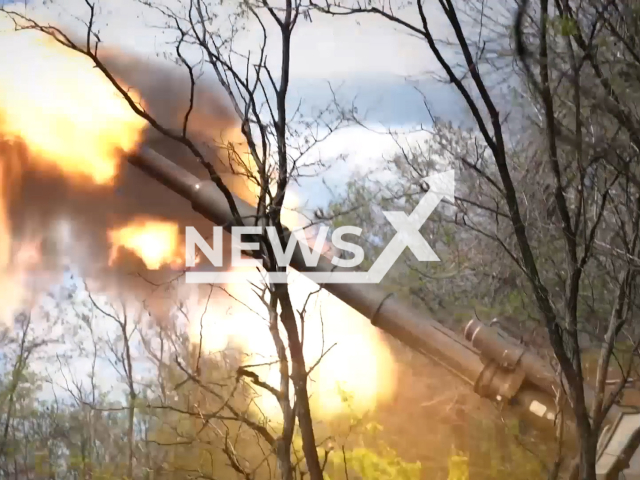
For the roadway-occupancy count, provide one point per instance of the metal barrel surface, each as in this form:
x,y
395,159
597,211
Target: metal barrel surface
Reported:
x,y
493,368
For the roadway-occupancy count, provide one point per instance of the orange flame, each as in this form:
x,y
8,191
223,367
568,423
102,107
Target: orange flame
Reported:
x,y
72,120
66,111
155,242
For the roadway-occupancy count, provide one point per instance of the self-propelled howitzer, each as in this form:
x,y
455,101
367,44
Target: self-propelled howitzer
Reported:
x,y
495,366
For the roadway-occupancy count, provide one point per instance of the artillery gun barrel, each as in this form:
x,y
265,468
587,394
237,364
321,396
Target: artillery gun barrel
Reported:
x,y
397,318
495,367
400,320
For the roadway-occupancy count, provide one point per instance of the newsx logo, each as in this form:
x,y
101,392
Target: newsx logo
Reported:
x,y
407,228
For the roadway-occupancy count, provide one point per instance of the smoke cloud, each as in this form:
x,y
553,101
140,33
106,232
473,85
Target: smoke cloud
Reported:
x,y
72,219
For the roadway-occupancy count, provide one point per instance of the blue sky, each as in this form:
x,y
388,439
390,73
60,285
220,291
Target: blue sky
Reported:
x,y
389,99
366,58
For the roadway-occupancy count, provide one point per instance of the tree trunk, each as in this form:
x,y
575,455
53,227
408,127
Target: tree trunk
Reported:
x,y
130,436
299,379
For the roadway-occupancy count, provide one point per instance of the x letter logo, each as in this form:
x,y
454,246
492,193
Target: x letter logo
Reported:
x,y
408,226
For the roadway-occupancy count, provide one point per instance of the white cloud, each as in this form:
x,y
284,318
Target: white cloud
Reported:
x,y
365,152
327,47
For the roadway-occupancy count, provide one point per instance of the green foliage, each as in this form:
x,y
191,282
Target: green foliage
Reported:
x,y
458,466
563,25
475,277
364,454
381,464
507,459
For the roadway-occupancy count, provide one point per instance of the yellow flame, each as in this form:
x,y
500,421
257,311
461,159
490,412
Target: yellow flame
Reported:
x,y
155,242
354,359
66,111
71,119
